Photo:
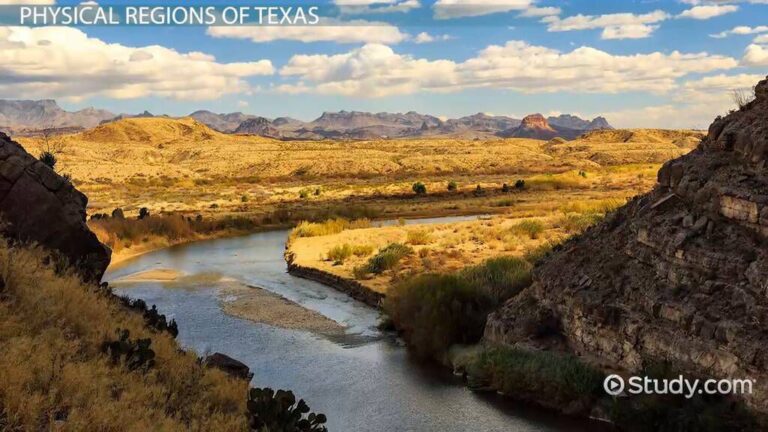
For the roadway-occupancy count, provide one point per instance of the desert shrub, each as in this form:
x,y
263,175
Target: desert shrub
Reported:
x,y
479,191
530,228
556,182
499,278
418,237
331,226
535,254
520,184
244,198
505,188
48,158
452,186
304,194
118,213
388,257
135,355
143,213
557,377
574,223
339,253
506,202
419,188
434,311
270,411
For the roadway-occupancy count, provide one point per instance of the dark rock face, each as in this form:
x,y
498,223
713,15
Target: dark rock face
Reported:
x,y
38,205
229,365
679,274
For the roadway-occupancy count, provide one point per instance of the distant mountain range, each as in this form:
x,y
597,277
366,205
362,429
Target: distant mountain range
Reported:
x,y
25,117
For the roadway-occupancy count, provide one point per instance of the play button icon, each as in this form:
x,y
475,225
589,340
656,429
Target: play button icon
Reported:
x,y
613,385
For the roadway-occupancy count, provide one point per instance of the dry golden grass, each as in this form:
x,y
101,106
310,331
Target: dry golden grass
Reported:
x,y
182,165
53,375
452,246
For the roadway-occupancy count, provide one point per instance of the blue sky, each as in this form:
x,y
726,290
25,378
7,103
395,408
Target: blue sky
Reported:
x,y
647,63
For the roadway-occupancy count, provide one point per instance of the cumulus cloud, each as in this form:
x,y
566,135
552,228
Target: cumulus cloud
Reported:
x,y
740,30
373,70
755,55
706,12
449,9
425,37
762,39
376,70
354,31
615,26
65,62
537,12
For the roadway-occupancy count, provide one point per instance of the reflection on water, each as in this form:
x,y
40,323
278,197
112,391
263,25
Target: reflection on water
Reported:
x,y
363,382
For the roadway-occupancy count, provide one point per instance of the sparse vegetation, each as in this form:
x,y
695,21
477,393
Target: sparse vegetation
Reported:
x,y
418,237
48,158
387,257
452,186
419,188
331,226
278,411
531,228
340,253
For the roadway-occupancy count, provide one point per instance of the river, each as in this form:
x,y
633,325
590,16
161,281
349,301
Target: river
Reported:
x,y
364,381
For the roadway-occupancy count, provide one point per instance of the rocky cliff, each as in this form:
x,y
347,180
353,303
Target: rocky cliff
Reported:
x,y
38,205
679,274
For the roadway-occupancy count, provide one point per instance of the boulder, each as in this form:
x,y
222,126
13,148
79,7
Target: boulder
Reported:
x,y
229,365
38,205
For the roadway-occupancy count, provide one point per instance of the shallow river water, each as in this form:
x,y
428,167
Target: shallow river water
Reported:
x,y
364,381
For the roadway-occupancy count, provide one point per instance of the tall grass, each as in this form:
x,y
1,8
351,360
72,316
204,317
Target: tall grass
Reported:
x,y
551,376
388,257
500,278
418,237
331,226
340,253
52,368
530,228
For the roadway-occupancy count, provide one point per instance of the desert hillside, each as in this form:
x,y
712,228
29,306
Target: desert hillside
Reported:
x,y
183,165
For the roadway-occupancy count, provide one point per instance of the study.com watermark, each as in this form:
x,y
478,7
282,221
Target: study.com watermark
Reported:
x,y
616,385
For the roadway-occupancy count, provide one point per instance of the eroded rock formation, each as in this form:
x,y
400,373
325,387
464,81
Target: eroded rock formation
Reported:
x,y
38,205
679,274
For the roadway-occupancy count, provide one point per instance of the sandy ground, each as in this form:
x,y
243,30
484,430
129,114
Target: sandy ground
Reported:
x,y
265,307
154,275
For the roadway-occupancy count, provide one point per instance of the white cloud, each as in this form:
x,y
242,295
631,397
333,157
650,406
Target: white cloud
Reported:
x,y
755,55
65,62
615,26
740,30
373,70
425,37
354,31
354,7
376,70
448,9
706,12
242,104
536,12
762,39
716,88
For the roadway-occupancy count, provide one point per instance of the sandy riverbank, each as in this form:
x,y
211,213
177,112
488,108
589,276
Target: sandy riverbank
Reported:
x,y
262,306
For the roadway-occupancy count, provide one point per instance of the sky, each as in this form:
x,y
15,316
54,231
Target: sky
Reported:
x,y
645,63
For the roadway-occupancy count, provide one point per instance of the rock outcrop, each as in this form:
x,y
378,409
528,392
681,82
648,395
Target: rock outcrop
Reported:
x,y
679,274
537,127
38,205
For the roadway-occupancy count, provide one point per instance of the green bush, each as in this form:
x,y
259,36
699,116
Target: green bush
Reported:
x,y
520,184
419,188
530,228
499,278
388,257
434,311
452,186
556,377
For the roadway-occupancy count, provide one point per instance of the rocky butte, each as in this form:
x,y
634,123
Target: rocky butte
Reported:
x,y
38,205
679,274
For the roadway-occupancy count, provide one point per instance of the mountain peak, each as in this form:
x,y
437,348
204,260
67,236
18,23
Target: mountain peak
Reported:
x,y
535,121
